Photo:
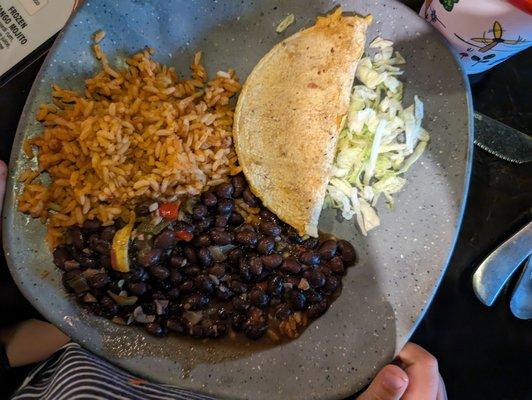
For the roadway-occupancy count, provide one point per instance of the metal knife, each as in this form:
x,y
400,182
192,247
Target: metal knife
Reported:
x,y
496,270
502,140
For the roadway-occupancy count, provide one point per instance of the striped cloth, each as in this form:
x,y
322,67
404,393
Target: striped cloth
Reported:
x,y
74,373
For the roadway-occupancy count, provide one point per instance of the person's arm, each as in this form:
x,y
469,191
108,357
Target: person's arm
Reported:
x,y
416,378
32,340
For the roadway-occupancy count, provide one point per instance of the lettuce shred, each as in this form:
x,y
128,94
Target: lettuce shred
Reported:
x,y
380,140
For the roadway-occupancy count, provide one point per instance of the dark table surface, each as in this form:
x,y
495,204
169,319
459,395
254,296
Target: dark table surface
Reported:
x,y
483,353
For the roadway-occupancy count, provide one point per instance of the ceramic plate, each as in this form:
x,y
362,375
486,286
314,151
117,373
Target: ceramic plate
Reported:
x,y
401,262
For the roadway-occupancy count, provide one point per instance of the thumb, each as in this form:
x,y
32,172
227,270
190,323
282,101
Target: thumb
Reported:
x,y
389,384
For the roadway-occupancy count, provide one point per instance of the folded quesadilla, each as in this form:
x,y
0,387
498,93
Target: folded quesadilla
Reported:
x,y
290,113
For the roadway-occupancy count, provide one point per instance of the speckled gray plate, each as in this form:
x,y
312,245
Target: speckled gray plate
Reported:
x,y
401,262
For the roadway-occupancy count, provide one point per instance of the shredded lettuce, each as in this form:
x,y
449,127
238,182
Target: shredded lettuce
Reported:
x,y
380,140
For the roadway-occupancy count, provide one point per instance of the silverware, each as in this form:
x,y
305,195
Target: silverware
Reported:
x,y
521,302
499,266
502,140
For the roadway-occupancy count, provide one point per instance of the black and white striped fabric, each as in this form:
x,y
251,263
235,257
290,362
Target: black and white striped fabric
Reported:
x,y
74,373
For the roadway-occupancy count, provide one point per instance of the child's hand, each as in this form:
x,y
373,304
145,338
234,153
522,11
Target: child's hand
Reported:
x,y
417,378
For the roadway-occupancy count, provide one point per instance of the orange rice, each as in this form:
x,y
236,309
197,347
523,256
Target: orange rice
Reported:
x,y
134,134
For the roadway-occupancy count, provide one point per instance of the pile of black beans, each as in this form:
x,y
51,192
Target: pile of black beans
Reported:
x,y
215,270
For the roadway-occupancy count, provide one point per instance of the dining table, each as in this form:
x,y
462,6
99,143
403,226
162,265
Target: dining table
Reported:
x,y
483,352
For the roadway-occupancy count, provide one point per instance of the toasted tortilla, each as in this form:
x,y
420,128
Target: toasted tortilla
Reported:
x,y
290,113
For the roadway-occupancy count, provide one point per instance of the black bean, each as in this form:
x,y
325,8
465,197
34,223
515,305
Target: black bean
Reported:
x,y
149,308
73,264
275,286
216,330
163,285
197,331
78,241
187,286
313,296
175,277
236,219
209,199
331,285
204,224
202,240
258,298
255,265
224,312
291,265
192,271
159,296
218,270
74,281
108,233
221,237
297,299
61,254
225,206
272,261
85,260
250,198
175,325
196,301
221,221
159,272
199,212
239,304
204,284
238,321
155,329
327,250
178,261
99,245
311,243
239,184
238,287
137,288
173,294
165,240
109,307
99,280
255,331
136,274
224,293
105,261
91,225
246,238
143,209
269,228
309,258
183,226
149,257
347,252
316,310
234,256
266,245
315,278
190,253
336,265
267,215
243,268
205,257
224,190
294,237
282,312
